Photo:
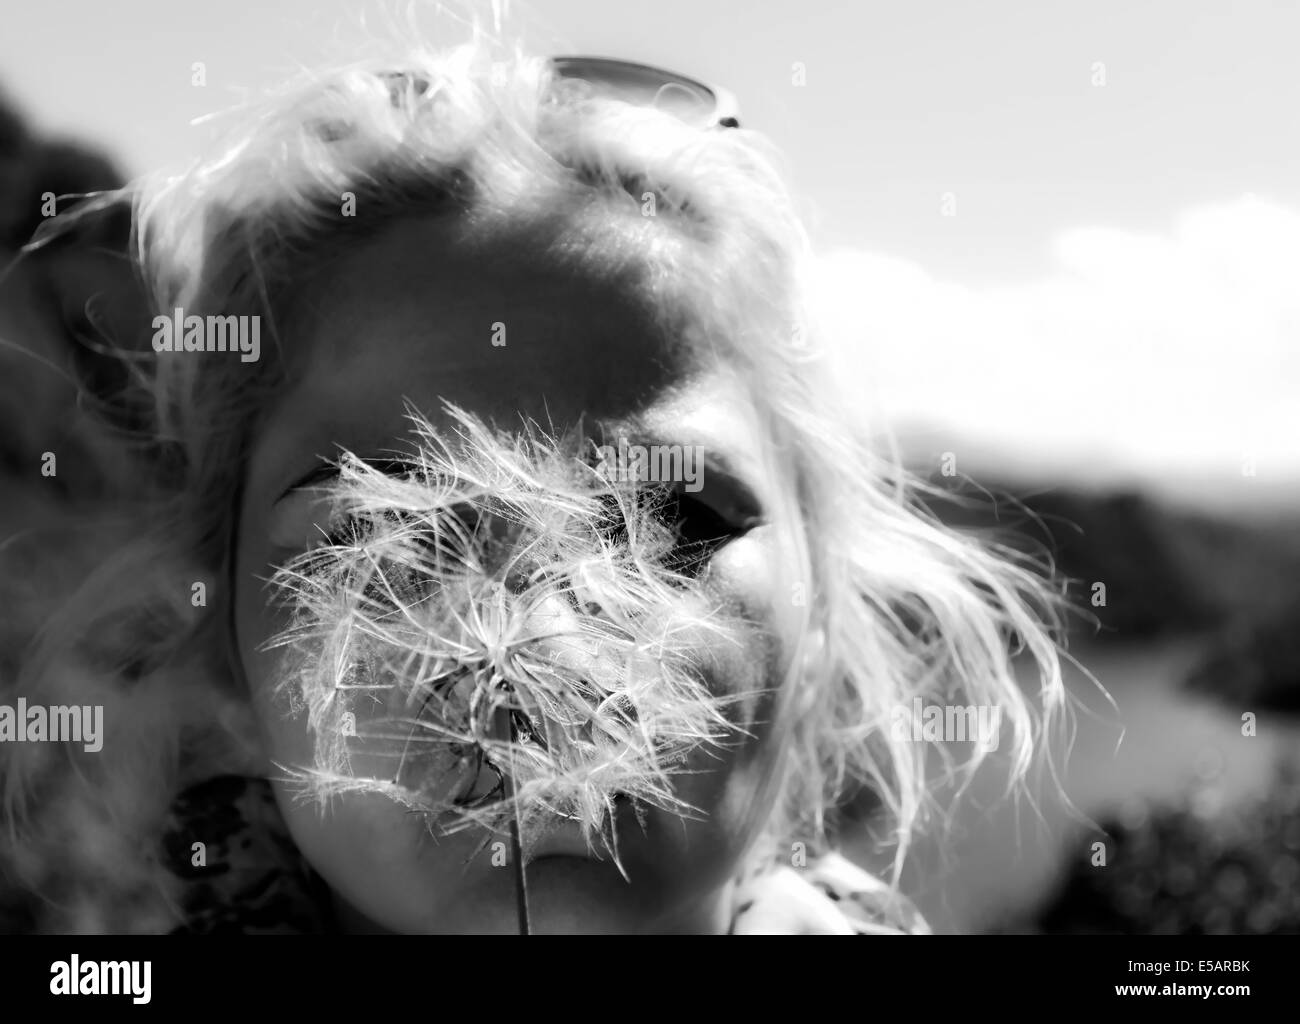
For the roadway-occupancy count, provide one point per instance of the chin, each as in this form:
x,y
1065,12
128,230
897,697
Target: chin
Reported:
x,y
390,876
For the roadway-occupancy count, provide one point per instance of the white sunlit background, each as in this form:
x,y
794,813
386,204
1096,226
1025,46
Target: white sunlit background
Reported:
x,y
1060,244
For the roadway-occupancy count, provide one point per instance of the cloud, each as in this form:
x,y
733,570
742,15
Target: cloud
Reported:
x,y
1173,354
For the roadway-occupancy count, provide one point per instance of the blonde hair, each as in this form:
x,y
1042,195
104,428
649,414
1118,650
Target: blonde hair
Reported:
x,y
896,606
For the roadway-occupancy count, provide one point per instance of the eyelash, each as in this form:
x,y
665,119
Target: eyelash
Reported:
x,y
701,528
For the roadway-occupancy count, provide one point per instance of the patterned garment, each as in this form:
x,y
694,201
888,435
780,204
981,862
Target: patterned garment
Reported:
x,y
830,896
252,879
248,877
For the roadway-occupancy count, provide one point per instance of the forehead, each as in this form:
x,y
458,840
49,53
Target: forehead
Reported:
x,y
506,332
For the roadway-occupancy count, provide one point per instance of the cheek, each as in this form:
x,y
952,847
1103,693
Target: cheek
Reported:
x,y
759,587
256,620
368,849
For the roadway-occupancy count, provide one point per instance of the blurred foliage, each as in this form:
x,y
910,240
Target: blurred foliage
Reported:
x,y
1255,664
1190,869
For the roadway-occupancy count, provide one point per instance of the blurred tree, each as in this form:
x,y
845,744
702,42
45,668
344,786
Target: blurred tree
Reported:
x,y
67,309
31,166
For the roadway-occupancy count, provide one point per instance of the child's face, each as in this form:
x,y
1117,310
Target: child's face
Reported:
x,y
403,317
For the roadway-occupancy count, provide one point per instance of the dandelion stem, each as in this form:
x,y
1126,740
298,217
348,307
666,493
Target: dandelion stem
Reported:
x,y
516,847
521,885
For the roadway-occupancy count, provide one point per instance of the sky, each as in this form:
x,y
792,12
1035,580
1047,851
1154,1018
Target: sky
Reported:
x,y
1064,236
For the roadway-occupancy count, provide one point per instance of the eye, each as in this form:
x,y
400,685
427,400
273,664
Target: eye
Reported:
x,y
704,522
704,512
306,518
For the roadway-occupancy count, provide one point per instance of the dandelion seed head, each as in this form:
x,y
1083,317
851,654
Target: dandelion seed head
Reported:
x,y
499,580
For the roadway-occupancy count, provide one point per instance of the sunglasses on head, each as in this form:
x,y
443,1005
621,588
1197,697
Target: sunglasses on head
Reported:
x,y
639,84
646,86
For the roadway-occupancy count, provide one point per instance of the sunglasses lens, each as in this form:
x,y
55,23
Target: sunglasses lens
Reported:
x,y
644,86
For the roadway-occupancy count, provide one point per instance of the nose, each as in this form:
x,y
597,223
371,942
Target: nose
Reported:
x,y
539,705
554,622
572,667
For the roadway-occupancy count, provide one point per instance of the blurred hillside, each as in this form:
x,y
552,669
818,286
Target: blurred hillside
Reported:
x,y
1234,585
